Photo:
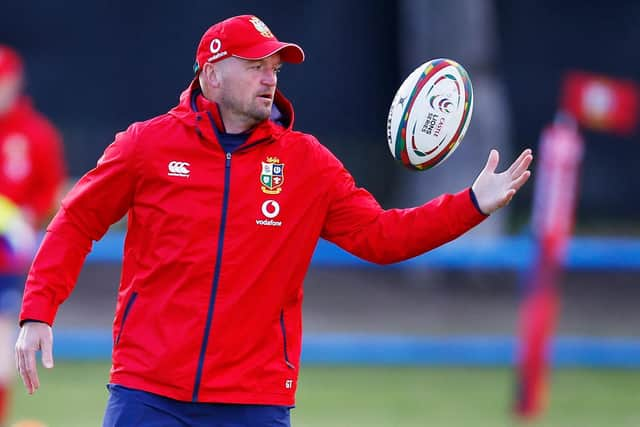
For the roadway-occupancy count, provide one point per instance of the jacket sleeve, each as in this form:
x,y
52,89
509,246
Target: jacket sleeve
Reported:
x,y
99,199
356,222
49,175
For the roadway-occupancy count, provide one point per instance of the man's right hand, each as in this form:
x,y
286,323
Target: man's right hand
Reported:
x,y
33,336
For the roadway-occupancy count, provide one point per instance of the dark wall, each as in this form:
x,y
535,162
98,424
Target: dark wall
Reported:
x,y
542,39
95,67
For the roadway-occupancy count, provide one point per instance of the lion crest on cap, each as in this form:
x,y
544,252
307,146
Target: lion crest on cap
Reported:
x,y
261,27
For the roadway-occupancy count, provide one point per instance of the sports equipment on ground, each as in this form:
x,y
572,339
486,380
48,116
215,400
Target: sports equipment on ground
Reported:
x,y
430,114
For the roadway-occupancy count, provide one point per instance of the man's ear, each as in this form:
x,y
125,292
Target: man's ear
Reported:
x,y
212,74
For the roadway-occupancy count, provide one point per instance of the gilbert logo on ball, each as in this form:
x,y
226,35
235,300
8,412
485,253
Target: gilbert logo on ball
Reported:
x,y
430,114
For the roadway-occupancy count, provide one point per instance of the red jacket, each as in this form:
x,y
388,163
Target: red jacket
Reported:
x,y
31,161
210,299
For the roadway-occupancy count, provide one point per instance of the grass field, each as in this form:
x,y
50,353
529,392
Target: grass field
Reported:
x,y
73,395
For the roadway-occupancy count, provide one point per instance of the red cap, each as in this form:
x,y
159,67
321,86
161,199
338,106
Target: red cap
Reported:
x,y
245,37
10,62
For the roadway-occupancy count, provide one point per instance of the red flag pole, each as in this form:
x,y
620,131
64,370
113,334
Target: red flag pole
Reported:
x,y
560,155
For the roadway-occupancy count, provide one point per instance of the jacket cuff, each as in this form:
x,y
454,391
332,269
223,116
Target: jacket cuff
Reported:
x,y
474,200
38,309
22,322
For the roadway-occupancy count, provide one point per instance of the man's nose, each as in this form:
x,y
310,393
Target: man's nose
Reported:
x,y
270,78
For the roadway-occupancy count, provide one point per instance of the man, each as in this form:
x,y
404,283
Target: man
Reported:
x,y
226,203
31,173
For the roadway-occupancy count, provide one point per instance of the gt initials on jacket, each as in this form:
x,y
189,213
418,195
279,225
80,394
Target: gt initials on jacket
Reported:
x,y
209,307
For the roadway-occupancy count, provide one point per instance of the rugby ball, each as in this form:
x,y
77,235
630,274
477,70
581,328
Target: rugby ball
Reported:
x,y
430,114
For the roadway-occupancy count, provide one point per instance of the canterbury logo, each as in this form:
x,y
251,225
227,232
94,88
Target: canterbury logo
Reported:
x,y
179,169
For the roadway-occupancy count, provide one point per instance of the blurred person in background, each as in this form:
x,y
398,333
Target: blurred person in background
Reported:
x,y
31,174
226,203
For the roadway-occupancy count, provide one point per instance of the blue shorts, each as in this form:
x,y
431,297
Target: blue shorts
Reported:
x,y
128,408
10,293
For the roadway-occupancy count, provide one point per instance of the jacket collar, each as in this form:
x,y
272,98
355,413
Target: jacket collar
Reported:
x,y
192,114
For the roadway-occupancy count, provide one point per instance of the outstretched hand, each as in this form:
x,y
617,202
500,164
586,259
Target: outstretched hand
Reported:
x,y
495,190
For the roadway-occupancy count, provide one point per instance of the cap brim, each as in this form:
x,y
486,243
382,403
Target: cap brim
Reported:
x,y
289,52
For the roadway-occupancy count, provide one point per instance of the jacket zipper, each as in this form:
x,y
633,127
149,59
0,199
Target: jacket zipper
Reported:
x,y
284,341
132,299
216,277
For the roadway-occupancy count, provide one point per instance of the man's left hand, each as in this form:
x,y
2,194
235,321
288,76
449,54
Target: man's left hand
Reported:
x,y
495,190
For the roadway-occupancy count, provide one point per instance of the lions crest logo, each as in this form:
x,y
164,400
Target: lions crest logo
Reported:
x,y
272,176
261,27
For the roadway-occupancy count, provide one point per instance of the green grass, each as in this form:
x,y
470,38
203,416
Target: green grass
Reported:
x,y
70,395
73,395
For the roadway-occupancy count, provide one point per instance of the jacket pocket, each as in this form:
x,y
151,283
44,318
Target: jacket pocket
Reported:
x,y
127,309
284,341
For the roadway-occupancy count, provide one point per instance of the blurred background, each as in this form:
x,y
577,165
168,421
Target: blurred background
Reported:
x,y
95,67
